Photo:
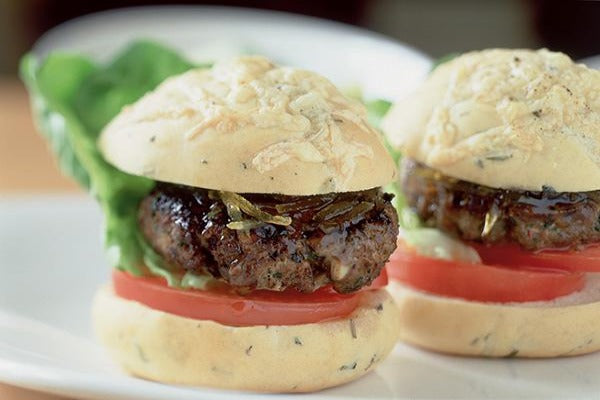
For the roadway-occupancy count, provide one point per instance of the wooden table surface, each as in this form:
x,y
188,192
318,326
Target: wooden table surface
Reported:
x,y
26,167
26,164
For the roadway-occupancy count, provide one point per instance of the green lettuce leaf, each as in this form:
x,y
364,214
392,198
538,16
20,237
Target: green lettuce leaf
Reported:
x,y
72,99
137,70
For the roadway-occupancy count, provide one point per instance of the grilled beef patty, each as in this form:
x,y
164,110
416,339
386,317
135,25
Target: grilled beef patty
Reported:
x,y
535,220
339,238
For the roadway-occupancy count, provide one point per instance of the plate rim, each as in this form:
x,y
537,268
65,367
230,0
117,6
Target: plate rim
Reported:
x,y
230,11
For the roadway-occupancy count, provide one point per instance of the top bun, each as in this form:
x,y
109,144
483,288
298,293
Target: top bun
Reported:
x,y
513,119
247,125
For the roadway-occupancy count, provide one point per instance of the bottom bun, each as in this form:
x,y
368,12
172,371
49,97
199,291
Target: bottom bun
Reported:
x,y
566,326
296,358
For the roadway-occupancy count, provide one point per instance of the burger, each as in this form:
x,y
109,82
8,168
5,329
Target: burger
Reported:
x,y
500,205
264,231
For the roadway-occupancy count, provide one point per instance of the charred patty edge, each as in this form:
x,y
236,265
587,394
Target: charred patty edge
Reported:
x,y
535,220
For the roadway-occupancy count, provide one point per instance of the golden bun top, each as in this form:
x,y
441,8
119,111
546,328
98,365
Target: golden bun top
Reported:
x,y
248,125
514,119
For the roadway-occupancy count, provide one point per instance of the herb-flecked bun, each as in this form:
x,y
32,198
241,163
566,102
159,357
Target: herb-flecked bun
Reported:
x,y
511,119
566,326
247,125
295,358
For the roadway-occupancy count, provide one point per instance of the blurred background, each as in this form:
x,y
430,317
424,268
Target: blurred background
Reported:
x,y
435,27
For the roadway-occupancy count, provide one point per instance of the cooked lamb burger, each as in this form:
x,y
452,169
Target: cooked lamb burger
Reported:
x,y
502,168
268,215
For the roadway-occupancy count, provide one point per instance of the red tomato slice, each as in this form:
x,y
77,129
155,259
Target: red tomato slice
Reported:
x,y
223,305
586,260
480,282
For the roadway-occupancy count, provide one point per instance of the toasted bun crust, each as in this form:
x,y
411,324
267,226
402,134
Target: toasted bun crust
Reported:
x,y
247,125
298,358
508,119
567,326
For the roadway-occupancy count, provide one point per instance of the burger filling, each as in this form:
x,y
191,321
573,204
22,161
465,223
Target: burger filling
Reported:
x,y
535,220
271,241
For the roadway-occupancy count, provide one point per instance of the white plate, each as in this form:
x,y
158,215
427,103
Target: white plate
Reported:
x,y
51,263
